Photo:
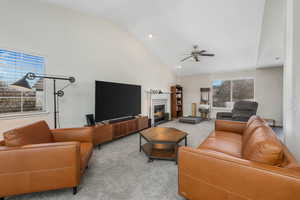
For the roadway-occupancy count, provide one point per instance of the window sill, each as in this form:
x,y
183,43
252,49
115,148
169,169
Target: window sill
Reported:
x,y
22,115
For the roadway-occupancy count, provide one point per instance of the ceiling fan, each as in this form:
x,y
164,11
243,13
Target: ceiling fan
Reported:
x,y
196,53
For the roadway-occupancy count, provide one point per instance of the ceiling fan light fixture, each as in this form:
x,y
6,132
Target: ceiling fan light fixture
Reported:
x,y
196,54
150,36
179,67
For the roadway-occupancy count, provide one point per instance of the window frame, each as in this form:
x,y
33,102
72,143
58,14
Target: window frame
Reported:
x,y
45,103
231,91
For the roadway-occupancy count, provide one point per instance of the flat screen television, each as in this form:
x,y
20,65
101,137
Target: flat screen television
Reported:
x,y
116,100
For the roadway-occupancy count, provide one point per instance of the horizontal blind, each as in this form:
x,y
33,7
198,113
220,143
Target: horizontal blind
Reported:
x,y
226,92
13,66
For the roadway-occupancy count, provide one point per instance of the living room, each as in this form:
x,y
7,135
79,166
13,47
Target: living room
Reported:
x,y
106,59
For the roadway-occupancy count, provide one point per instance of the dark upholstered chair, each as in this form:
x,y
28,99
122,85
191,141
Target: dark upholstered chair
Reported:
x,y
90,120
242,111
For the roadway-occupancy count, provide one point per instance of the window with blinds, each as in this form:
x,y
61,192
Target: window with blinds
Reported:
x,y
226,92
13,66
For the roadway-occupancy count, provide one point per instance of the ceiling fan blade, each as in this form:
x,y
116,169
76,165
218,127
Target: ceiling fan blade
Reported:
x,y
186,58
207,54
203,51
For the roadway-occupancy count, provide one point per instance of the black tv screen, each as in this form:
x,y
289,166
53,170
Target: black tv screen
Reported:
x,y
116,100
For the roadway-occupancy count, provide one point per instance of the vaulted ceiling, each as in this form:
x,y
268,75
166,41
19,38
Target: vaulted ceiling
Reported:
x,y
231,29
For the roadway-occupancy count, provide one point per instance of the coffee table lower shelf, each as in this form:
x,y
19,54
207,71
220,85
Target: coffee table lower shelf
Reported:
x,y
160,151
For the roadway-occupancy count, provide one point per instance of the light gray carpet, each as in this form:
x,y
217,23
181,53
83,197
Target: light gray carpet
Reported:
x,y
120,172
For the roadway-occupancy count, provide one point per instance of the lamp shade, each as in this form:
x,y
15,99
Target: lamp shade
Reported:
x,y
21,84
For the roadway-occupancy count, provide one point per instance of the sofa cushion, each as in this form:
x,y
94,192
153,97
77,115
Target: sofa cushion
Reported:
x,y
252,119
36,133
250,128
86,150
227,136
225,142
288,158
263,147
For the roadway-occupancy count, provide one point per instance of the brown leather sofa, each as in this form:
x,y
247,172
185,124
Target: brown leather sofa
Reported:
x,y
239,161
35,158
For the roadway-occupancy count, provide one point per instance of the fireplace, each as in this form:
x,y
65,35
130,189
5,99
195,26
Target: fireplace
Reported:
x,y
160,114
159,108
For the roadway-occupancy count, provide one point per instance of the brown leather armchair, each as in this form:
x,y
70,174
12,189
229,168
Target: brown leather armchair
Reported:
x,y
35,158
239,161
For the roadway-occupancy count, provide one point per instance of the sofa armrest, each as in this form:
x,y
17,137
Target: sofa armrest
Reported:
x,y
38,167
83,134
230,126
206,174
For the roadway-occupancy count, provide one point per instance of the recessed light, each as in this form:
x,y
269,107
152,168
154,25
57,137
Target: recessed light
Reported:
x,y
150,36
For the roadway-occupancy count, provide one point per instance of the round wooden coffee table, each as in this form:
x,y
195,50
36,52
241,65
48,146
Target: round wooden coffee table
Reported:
x,y
162,143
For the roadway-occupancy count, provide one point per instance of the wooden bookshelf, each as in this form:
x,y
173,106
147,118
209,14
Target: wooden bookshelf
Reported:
x,y
176,101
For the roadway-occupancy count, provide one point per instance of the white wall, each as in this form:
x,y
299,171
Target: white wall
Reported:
x,y
269,93
291,78
86,47
266,79
272,39
191,90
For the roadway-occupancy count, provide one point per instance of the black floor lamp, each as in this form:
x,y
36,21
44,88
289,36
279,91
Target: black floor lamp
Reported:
x,y
23,83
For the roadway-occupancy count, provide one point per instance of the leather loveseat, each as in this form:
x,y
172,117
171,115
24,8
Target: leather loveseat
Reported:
x,y
35,158
239,161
